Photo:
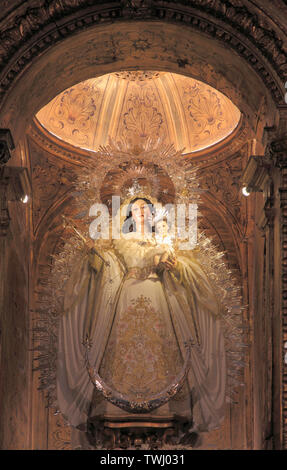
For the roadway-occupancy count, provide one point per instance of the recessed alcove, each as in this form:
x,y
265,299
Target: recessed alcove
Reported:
x,y
206,86
134,106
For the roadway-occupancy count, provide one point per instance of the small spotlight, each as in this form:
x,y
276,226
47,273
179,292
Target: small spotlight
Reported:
x,y
25,199
245,191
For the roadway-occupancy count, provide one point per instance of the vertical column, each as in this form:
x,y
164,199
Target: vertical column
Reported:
x,y
257,180
278,156
14,297
283,206
6,145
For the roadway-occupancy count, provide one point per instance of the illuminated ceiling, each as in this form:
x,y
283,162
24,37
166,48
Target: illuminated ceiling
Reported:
x,y
138,105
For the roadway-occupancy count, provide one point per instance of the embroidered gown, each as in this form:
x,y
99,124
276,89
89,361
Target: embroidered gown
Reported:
x,y
138,321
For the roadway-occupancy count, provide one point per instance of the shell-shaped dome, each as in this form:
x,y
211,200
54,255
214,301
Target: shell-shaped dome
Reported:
x,y
138,105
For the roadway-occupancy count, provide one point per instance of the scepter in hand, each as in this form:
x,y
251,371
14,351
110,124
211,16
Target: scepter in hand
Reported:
x,y
68,223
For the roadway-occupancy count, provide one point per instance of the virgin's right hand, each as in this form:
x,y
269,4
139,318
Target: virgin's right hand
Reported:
x,y
90,244
169,264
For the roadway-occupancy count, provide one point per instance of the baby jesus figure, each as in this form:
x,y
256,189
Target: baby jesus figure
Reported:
x,y
166,256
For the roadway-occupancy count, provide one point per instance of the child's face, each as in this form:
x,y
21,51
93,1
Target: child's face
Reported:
x,y
162,228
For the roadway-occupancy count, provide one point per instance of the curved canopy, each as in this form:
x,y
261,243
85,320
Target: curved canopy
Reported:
x,y
140,105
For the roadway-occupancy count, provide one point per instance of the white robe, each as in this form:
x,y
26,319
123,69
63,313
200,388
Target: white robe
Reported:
x,y
138,323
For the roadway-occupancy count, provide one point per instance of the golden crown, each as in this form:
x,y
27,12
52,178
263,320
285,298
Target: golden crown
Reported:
x,y
156,171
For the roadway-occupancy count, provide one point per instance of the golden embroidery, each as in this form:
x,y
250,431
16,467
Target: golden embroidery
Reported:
x,y
140,273
142,356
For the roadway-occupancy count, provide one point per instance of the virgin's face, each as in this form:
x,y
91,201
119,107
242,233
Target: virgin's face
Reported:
x,y
141,212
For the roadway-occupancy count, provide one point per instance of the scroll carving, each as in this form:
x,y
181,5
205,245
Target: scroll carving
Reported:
x,y
6,145
225,184
14,186
4,213
50,182
262,36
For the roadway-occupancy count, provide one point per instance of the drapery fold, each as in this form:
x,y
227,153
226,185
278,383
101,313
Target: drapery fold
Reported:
x,y
95,300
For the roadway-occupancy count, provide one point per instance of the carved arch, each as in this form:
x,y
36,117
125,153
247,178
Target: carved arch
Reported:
x,y
158,35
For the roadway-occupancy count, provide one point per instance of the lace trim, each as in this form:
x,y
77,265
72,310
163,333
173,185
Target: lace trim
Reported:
x,y
140,273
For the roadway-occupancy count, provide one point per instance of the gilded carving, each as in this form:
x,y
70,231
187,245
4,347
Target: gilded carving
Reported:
x,y
4,213
208,112
135,108
283,235
80,157
142,119
49,182
75,112
224,183
138,75
276,154
234,10
210,115
60,437
6,145
157,343
262,38
136,8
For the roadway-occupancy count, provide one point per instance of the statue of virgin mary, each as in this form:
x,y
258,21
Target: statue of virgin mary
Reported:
x,y
140,340
139,303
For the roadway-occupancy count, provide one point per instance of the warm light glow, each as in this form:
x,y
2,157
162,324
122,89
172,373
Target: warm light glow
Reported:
x,y
245,191
134,106
25,199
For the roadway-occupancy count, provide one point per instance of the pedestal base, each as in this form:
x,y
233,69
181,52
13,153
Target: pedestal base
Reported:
x,y
140,432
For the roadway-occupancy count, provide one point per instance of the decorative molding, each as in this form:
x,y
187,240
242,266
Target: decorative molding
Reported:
x,y
220,152
278,150
267,215
6,145
50,236
256,174
283,236
138,75
231,147
91,112
223,183
256,177
59,149
52,179
4,213
237,27
61,436
14,186
153,434
237,15
137,9
277,154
